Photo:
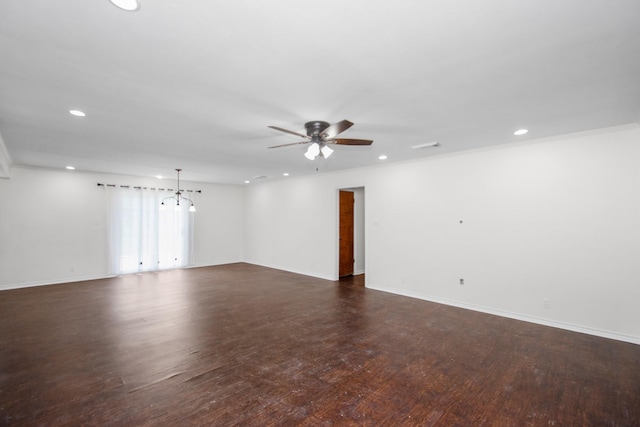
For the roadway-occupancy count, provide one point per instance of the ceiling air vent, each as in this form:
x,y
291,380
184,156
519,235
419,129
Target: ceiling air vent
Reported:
x,y
426,145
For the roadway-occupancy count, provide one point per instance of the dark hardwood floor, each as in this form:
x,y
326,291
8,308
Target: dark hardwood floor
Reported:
x,y
246,345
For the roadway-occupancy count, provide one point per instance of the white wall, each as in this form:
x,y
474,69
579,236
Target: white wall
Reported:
x,y
290,225
53,225
550,231
555,220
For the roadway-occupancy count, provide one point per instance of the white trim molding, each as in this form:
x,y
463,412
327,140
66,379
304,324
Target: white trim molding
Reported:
x,y
511,315
52,282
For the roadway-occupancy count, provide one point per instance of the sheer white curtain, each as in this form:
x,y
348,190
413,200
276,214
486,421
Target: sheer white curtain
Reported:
x,y
144,238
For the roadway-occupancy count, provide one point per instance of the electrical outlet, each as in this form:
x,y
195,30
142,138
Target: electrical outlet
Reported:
x,y
462,281
72,269
546,303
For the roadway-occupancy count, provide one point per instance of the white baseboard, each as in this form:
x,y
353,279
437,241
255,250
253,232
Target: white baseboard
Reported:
x,y
53,282
303,273
532,319
85,278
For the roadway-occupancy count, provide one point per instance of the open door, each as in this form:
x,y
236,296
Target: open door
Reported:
x,y
346,234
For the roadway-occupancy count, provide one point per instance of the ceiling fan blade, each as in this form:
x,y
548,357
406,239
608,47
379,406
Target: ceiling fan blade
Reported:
x,y
289,131
348,141
293,143
336,128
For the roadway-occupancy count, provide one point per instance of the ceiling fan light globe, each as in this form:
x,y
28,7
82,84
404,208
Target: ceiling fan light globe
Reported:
x,y
128,5
314,149
326,151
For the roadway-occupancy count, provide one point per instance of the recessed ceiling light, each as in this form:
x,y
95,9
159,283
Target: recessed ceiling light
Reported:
x,y
159,176
382,157
520,132
70,168
285,174
247,182
128,5
77,113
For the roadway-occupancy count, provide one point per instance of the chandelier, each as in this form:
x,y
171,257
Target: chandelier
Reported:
x,y
178,198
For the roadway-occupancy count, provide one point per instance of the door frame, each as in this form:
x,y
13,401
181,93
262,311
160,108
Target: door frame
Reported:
x,y
359,229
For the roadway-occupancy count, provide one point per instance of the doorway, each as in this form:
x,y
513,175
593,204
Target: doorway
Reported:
x,y
351,232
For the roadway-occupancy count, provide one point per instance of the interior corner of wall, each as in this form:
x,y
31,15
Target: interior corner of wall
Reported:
x,y
5,160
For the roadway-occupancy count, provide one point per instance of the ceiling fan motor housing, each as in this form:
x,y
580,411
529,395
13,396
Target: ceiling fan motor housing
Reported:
x,y
323,133
315,128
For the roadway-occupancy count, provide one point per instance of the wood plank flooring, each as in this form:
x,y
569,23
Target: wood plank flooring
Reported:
x,y
246,345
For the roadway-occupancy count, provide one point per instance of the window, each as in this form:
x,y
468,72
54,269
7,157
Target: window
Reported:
x,y
144,238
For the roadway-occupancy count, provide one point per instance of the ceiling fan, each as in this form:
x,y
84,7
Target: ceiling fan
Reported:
x,y
321,135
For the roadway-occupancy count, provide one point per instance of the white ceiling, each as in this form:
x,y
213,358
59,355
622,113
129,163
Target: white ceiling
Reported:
x,y
194,84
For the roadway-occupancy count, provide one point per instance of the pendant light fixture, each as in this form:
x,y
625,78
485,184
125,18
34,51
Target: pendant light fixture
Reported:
x,y
178,197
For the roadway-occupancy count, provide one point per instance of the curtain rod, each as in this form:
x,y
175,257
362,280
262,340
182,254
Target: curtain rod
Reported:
x,y
146,188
